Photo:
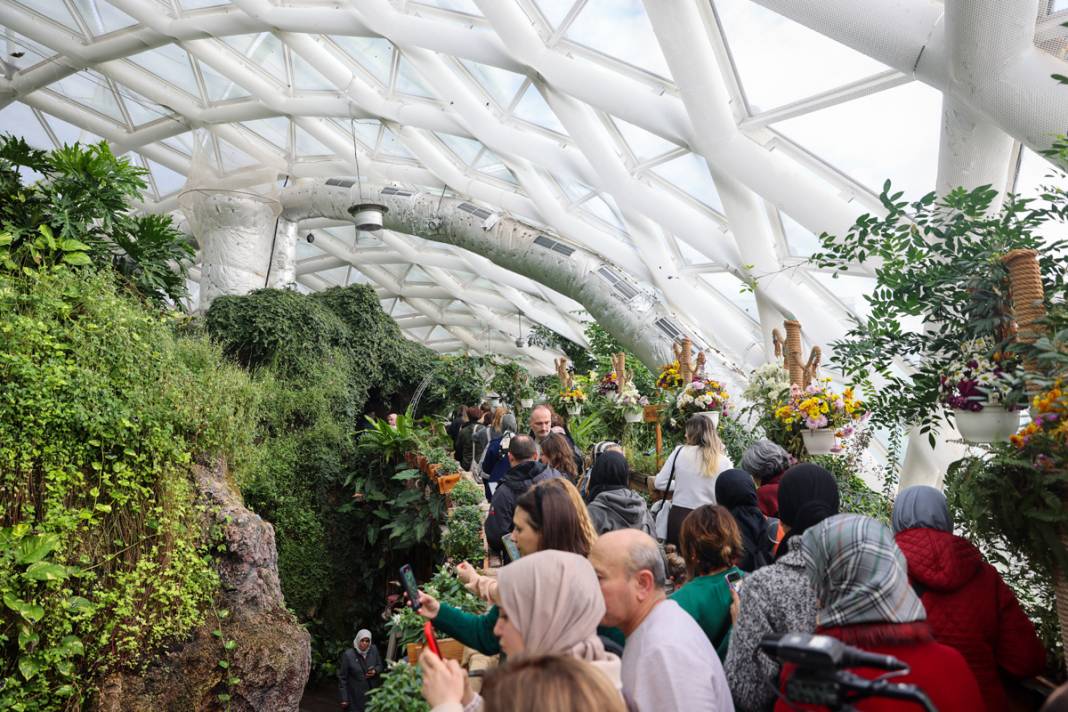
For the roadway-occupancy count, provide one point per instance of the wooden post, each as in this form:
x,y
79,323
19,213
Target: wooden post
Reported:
x,y
793,352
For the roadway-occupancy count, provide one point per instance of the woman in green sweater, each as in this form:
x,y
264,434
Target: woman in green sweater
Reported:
x,y
710,542
550,515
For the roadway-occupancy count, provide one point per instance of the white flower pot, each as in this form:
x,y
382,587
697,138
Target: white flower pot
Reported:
x,y
634,415
526,402
494,402
574,410
990,425
819,442
712,415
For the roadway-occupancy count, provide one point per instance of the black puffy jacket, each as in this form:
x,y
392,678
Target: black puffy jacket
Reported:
x,y
518,480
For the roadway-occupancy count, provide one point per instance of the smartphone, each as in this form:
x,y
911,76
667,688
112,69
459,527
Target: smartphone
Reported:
x,y
510,548
410,586
734,580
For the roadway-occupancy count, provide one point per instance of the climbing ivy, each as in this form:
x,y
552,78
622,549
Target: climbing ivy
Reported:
x,y
103,555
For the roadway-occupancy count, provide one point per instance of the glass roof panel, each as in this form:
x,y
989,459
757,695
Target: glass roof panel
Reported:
x,y
198,4
374,54
574,189
232,157
141,109
849,289
169,63
167,181
90,90
54,11
68,133
554,10
620,29
32,53
465,148
392,146
492,165
306,77
799,241
308,145
643,144
780,61
500,84
183,143
367,131
220,88
409,81
598,206
892,134
690,173
102,17
274,130
533,108
18,119
265,51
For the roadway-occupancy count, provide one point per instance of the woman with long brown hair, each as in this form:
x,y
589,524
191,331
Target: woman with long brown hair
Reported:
x,y
556,453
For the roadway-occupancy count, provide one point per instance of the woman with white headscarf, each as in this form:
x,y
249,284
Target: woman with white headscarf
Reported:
x,y
550,604
358,672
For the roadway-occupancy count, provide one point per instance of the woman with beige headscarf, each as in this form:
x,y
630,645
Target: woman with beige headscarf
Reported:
x,y
550,603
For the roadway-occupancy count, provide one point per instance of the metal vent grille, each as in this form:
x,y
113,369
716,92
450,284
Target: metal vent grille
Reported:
x,y
474,210
550,244
341,182
668,327
389,190
620,285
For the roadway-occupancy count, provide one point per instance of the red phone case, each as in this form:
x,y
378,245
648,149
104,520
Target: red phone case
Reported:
x,y
428,631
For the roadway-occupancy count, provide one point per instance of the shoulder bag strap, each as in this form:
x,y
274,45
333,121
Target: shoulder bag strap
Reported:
x,y
671,477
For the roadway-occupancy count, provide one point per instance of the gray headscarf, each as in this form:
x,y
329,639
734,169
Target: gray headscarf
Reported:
x,y
921,507
364,634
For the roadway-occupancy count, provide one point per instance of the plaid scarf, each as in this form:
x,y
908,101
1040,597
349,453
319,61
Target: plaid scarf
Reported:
x,y
859,573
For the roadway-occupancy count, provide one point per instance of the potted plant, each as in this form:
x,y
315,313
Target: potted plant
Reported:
x,y
572,400
703,396
821,415
399,690
631,403
448,475
462,540
983,388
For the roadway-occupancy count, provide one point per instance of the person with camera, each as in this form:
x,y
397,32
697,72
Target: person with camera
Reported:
x,y
865,600
968,605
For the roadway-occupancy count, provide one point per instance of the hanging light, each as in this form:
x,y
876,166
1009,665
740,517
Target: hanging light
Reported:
x,y
367,216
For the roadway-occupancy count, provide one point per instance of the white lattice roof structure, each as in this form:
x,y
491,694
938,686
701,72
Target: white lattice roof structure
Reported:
x,y
696,147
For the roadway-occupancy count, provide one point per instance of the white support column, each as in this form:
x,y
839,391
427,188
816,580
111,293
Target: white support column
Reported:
x,y
284,262
234,230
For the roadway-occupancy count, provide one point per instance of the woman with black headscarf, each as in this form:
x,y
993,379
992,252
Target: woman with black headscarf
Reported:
x,y
612,503
778,599
736,491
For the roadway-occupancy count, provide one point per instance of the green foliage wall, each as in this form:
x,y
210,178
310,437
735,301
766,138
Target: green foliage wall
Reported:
x,y
322,361
102,409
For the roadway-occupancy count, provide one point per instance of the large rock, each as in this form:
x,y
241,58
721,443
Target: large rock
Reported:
x,y
273,653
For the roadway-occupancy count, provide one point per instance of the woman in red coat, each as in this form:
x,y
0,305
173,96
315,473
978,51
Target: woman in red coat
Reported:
x,y
968,605
865,601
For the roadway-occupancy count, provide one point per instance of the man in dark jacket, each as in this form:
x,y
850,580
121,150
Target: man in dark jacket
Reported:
x,y
541,424
358,672
526,470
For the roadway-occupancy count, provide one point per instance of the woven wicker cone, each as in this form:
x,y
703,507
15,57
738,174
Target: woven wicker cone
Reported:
x,y
1028,296
793,352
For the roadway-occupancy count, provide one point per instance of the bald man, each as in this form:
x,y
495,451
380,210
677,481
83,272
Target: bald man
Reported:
x,y
668,663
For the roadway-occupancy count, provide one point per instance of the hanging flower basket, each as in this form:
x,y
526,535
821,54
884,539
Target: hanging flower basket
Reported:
x,y
526,402
712,415
820,441
992,424
635,415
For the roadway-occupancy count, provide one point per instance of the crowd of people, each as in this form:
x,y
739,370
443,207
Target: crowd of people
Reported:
x,y
592,615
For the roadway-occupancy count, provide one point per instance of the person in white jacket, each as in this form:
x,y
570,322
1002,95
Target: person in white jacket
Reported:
x,y
695,465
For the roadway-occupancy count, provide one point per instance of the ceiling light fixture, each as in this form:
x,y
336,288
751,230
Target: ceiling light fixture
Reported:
x,y
368,216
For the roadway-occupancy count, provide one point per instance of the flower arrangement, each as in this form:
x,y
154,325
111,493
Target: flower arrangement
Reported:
x,y
768,384
818,406
609,384
1046,436
670,377
981,376
574,397
629,398
701,396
